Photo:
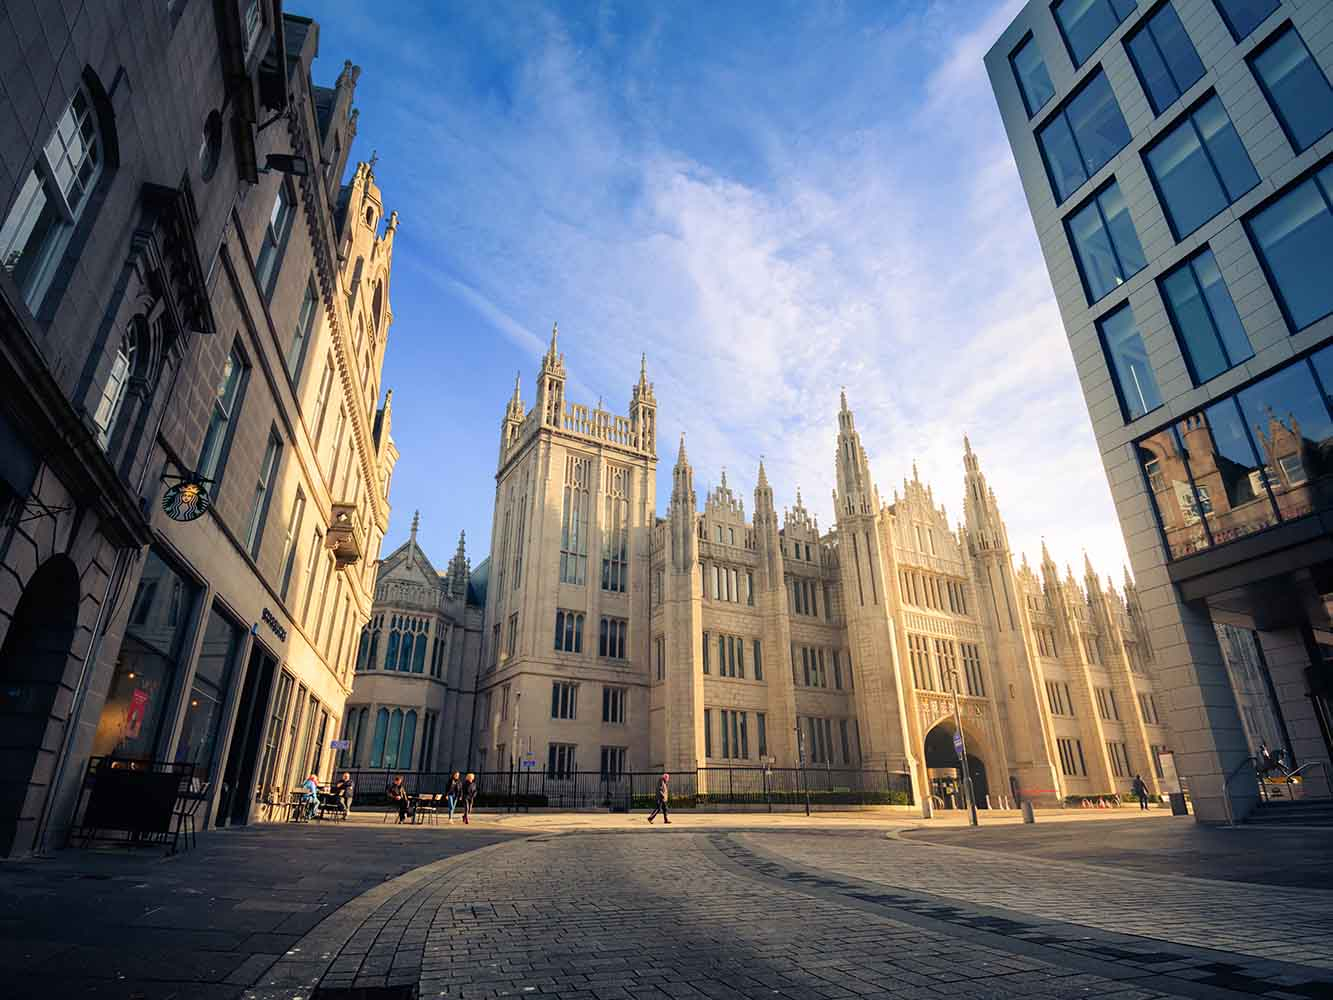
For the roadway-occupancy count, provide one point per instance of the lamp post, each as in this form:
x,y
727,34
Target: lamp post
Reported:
x,y
962,741
513,758
800,760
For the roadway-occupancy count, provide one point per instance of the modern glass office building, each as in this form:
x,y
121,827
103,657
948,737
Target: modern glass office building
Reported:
x,y
1177,158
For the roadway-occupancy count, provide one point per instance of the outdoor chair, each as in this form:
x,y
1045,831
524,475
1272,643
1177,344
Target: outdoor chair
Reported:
x,y
428,808
186,806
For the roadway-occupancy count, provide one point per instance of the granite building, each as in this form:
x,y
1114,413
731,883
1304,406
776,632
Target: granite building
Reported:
x,y
1177,159
189,295
607,638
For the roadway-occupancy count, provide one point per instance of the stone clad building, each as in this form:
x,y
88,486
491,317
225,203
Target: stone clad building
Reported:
x,y
615,639
188,292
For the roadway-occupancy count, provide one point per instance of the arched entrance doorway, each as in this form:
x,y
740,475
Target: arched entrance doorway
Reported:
x,y
32,668
946,772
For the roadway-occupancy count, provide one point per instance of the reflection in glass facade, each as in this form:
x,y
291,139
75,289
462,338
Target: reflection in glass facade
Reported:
x,y
1211,336
1296,88
1246,462
1294,238
150,655
1085,24
1164,58
208,696
1200,167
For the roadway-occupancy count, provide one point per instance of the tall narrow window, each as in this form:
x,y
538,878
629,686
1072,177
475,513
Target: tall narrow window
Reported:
x,y
1082,136
615,536
1164,58
1200,167
574,521
758,661
321,401
289,542
305,326
263,490
1128,359
1204,317
1105,242
1033,80
276,231
117,382
311,572
53,196
218,434
1296,87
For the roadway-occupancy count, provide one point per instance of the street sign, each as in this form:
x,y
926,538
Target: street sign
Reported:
x,y
958,744
528,763
340,744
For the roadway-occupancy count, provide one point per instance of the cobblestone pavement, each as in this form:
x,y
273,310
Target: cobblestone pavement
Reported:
x,y
1266,922
612,916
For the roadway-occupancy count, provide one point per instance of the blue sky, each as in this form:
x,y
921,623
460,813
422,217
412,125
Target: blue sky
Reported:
x,y
771,200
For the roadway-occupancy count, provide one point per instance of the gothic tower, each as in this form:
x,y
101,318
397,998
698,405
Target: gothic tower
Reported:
x,y
775,623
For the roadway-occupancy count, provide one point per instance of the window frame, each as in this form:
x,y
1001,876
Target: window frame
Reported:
x,y
1064,36
1284,30
1094,200
1182,341
1247,221
1144,28
1222,12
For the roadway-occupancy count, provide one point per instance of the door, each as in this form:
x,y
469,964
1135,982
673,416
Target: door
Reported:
x,y
238,778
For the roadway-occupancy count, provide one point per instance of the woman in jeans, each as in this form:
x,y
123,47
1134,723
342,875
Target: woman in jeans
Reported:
x,y
469,794
451,795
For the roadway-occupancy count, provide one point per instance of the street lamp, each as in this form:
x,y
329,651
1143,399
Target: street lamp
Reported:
x,y
962,751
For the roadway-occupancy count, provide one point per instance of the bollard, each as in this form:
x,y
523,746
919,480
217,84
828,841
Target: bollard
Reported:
x,y
1028,816
926,810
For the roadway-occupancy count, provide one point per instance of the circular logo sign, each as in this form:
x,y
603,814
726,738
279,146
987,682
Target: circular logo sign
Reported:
x,y
186,501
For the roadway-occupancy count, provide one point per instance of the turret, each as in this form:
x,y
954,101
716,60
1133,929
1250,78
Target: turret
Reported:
x,y
512,423
766,534
459,567
856,492
681,513
985,527
643,410
551,384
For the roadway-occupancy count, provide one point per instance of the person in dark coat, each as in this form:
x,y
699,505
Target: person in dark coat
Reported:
x,y
397,793
453,793
1141,790
663,786
469,794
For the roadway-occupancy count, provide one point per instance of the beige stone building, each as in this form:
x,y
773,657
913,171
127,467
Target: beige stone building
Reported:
x,y
615,640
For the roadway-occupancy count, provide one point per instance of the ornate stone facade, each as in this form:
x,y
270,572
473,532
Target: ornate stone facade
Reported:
x,y
615,639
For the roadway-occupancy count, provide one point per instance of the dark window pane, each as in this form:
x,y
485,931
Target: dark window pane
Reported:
x,y
1176,47
1225,148
1295,238
1161,88
1088,23
1243,16
1098,126
1063,161
1123,234
1033,80
1092,244
1222,308
1189,314
1228,478
1129,363
1294,434
1297,88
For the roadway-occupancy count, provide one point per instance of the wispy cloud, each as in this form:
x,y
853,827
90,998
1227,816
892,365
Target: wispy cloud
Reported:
x,y
770,209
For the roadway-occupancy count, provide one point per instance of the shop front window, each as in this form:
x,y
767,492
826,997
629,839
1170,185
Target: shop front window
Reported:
x,y
208,696
150,655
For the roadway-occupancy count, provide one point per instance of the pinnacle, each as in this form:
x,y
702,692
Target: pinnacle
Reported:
x,y
843,394
967,445
681,457
763,476
555,330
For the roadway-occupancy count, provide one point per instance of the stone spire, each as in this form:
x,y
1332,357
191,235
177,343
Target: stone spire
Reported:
x,y
856,493
515,411
643,410
684,544
551,383
459,568
985,528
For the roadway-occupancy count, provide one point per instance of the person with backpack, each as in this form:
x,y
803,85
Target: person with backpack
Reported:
x,y
1141,790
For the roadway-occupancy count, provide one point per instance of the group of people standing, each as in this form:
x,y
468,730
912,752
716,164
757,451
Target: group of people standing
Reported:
x,y
462,790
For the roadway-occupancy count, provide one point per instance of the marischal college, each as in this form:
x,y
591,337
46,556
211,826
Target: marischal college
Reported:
x,y
609,639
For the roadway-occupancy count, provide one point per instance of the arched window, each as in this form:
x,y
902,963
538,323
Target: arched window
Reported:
x,y
359,744
363,649
391,660
419,654
377,308
351,735
395,734
117,381
409,737
372,657
377,745
53,197
405,651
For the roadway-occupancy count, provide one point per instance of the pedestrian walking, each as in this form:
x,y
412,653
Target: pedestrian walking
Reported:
x,y
453,792
469,794
310,799
1141,790
663,785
